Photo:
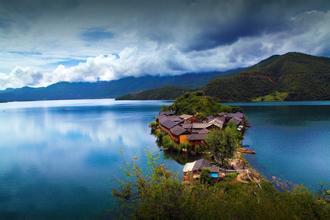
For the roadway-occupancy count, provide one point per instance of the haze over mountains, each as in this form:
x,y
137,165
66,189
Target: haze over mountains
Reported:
x,y
301,76
107,89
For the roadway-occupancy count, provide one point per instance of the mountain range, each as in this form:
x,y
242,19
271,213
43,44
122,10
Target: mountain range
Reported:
x,y
292,76
108,89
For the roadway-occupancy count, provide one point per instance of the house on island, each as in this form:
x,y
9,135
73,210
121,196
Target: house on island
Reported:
x,y
192,171
188,129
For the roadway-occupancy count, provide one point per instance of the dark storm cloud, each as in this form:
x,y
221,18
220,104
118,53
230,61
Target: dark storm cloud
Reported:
x,y
250,19
210,23
4,23
154,36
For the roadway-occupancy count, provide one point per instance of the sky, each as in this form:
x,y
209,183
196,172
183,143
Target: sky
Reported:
x,y
43,42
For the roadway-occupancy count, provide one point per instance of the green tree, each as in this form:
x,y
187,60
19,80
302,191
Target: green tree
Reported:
x,y
205,176
224,143
196,103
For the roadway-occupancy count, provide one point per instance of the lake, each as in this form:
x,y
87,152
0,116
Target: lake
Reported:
x,y
61,159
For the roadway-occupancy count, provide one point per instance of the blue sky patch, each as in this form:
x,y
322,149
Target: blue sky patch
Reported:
x,y
68,62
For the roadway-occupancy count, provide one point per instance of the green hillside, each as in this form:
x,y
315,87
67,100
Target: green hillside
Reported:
x,y
163,93
303,77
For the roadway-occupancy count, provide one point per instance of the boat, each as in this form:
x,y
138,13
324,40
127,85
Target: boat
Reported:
x,y
246,151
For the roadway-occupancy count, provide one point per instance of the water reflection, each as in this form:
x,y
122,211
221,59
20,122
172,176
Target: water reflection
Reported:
x,y
292,142
62,162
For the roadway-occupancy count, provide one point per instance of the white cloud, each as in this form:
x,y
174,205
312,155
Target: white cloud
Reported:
x,y
21,76
149,46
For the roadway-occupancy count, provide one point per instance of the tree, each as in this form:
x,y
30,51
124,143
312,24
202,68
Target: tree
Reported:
x,y
196,103
205,176
223,143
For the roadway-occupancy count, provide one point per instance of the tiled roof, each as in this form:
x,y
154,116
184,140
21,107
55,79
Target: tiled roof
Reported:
x,y
196,165
187,125
200,164
200,125
177,130
169,124
166,113
219,122
174,118
236,115
200,131
185,116
235,120
196,137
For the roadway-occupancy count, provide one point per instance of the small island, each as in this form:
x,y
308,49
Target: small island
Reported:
x,y
198,125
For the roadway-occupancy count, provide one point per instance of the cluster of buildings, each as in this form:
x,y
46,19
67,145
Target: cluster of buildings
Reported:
x,y
188,129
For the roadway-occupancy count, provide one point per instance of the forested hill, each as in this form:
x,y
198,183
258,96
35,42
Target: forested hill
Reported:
x,y
108,89
163,93
301,76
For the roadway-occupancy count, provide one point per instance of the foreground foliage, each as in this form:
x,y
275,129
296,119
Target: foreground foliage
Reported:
x,y
162,196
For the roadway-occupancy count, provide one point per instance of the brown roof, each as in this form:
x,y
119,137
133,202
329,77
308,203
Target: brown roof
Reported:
x,y
200,164
209,118
239,115
217,122
200,125
185,116
222,114
166,113
200,131
187,125
169,124
235,120
196,137
162,118
177,130
175,118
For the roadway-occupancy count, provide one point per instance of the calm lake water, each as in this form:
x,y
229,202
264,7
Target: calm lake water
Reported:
x,y
61,159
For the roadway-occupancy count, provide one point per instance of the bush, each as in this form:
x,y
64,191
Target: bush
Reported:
x,y
205,177
162,196
167,142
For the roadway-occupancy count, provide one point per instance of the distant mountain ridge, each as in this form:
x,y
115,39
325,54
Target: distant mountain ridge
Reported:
x,y
296,76
108,89
163,93
302,76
